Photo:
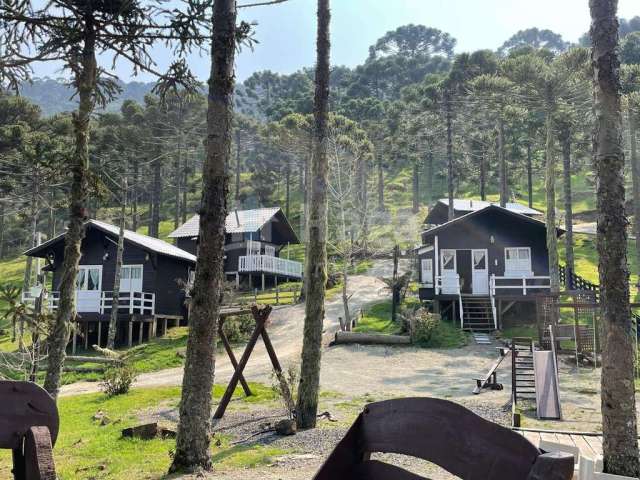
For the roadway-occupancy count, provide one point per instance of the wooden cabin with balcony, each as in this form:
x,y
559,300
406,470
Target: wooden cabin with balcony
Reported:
x,y
253,243
151,296
477,266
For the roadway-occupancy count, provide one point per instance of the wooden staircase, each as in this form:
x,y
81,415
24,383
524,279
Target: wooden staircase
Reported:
x,y
477,313
523,377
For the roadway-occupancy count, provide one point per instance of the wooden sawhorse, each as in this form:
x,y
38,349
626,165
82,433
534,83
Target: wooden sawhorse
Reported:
x,y
261,316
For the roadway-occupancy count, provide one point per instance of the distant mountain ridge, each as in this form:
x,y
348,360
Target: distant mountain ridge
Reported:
x,y
54,95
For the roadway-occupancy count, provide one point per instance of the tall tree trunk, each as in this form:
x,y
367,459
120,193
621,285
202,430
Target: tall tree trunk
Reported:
x,y
287,181
193,438
381,207
619,423
502,165
113,319
156,196
305,193
416,187
178,189
185,188
483,174
59,337
236,195
529,176
550,186
316,259
635,178
134,193
450,179
565,140
429,178
2,225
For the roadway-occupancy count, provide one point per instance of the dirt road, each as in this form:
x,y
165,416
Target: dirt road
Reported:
x,y
285,331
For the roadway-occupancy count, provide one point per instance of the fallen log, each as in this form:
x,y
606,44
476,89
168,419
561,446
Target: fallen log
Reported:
x,y
343,338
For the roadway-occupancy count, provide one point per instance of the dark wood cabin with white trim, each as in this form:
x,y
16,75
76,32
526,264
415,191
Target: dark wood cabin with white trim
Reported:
x,y
151,297
253,242
478,265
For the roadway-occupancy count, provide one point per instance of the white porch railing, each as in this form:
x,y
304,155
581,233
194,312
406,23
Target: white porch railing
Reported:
x,y
519,284
270,264
129,302
450,285
29,298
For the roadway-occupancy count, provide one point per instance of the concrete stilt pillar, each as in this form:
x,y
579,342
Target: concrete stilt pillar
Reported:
x,y
86,336
100,334
164,329
263,282
237,280
130,336
140,332
75,339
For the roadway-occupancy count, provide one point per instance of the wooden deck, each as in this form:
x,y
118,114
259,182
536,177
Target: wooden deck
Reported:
x,y
589,444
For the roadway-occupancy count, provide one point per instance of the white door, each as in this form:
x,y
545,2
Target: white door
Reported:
x,y
450,278
89,288
131,278
480,268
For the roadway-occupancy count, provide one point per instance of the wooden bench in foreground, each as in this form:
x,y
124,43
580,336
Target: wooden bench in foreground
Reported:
x,y
443,433
29,426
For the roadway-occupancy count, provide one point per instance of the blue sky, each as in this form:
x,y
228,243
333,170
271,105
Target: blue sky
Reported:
x,y
286,32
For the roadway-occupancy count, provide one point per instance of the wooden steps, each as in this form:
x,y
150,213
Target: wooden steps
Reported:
x,y
477,314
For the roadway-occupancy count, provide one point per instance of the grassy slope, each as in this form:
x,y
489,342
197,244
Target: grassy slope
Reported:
x,y
85,449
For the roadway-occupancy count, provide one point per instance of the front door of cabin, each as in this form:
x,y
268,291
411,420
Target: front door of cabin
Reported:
x,y
480,268
463,260
88,288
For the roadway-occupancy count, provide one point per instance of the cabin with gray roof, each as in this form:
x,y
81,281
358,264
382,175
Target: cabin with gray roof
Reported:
x,y
439,213
151,296
482,263
253,243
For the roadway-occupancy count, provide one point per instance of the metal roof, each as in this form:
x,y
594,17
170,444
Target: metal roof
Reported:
x,y
482,211
149,243
466,205
237,221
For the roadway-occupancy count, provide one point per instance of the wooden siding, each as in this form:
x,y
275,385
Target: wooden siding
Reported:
x,y
475,233
159,272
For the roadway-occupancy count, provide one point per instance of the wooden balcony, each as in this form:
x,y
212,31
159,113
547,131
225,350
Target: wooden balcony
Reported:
x,y
516,285
100,302
269,264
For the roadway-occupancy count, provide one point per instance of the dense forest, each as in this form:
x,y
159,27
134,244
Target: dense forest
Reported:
x,y
414,122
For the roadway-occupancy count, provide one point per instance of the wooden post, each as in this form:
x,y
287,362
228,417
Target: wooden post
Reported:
x,y
277,292
74,341
86,335
237,280
250,281
130,336
263,282
164,329
99,333
140,331
255,295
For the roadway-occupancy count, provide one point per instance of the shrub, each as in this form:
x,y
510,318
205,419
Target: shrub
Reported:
x,y
117,380
238,327
285,385
422,324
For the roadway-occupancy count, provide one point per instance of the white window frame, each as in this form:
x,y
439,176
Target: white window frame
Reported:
x,y
90,267
135,265
455,261
269,250
426,272
522,270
